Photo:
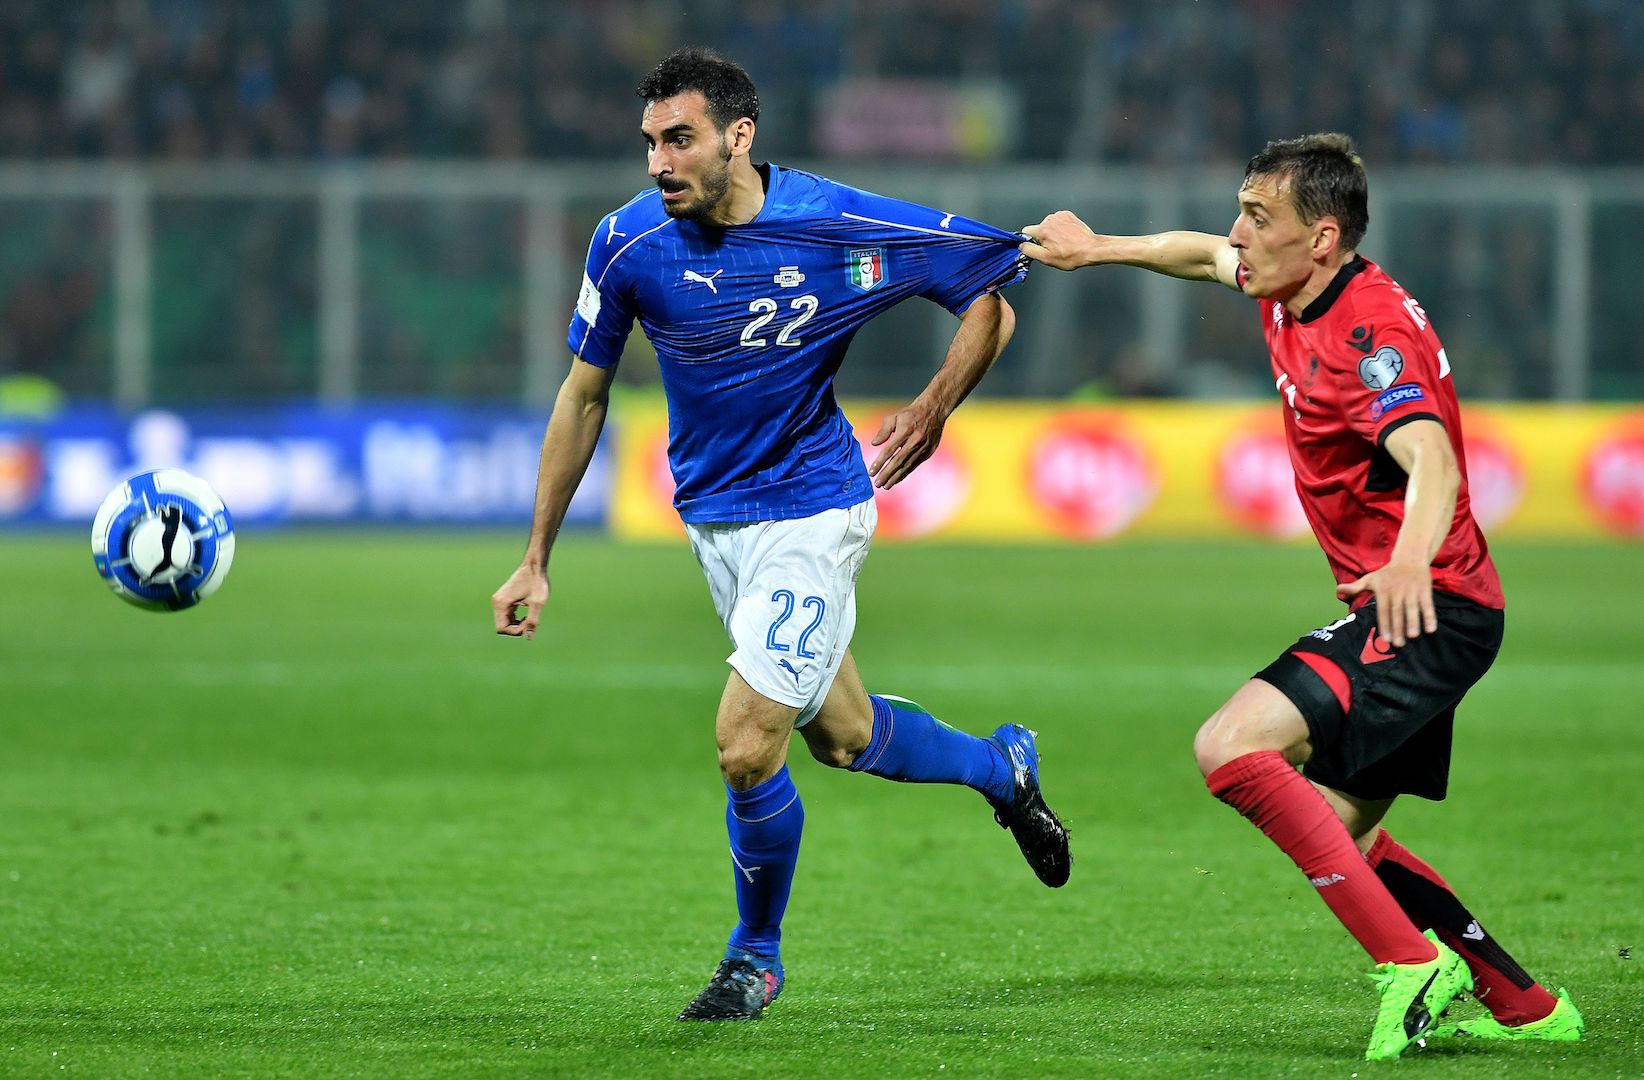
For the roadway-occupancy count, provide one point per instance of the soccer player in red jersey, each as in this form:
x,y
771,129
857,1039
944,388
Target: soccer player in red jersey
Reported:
x,y
1364,705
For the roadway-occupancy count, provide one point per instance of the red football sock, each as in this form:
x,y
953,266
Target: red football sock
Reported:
x,y
1499,983
1273,795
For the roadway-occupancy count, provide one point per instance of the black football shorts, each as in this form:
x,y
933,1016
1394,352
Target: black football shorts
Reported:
x,y
1380,718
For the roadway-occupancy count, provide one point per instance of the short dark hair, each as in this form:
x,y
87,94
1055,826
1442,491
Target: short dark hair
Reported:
x,y
1326,177
729,91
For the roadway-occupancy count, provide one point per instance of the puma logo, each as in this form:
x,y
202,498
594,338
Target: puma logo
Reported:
x,y
171,520
747,871
692,275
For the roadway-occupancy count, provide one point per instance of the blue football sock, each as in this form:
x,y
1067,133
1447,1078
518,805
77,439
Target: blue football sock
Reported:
x,y
911,745
765,823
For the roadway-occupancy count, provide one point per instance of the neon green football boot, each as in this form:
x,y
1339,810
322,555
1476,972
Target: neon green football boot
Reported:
x,y
1563,1024
1412,997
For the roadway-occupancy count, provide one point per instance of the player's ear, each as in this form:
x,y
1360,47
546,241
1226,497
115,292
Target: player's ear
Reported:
x,y
1326,236
739,136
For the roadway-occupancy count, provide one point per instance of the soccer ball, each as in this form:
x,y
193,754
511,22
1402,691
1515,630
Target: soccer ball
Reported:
x,y
163,540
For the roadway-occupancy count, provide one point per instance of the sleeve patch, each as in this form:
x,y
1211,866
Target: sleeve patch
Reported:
x,y
1382,368
1394,398
588,301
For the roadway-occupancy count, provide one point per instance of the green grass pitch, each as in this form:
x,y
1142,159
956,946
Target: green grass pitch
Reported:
x,y
329,825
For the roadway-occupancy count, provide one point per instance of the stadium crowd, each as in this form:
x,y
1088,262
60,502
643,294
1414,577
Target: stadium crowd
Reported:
x,y
1177,86
1525,81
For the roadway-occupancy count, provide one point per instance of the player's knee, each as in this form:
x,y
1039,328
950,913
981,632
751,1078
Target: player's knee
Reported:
x,y
1204,749
1219,741
833,755
1234,731
747,763
834,744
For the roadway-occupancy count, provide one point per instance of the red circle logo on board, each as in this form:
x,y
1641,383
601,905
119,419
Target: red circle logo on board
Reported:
x,y
20,475
1495,478
1090,477
927,498
1613,480
1257,484
657,469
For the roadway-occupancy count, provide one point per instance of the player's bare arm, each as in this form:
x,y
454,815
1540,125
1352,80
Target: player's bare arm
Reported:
x,y
1404,587
1063,241
567,448
911,434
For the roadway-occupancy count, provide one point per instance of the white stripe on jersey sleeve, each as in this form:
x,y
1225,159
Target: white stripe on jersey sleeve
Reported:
x,y
612,261
584,303
920,228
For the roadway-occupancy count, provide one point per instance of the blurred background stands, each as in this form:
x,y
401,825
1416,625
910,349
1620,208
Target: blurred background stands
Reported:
x,y
1140,116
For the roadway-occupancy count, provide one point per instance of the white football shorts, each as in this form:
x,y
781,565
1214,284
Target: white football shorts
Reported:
x,y
786,592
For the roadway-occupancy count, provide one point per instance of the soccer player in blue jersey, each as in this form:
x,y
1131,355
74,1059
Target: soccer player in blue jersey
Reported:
x,y
750,280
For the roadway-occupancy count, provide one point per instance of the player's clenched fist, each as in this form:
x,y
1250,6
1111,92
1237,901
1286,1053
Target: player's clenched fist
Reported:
x,y
1060,240
526,588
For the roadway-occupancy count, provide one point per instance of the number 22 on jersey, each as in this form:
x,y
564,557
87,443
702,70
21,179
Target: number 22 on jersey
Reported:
x,y
765,309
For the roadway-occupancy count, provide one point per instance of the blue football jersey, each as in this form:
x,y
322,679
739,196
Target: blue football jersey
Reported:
x,y
750,323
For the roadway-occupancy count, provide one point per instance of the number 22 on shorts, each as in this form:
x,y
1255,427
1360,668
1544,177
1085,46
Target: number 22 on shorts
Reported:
x,y
784,598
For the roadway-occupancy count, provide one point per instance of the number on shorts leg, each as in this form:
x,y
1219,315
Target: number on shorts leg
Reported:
x,y
821,609
785,598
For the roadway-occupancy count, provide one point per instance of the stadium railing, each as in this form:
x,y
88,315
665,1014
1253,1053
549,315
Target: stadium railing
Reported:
x,y
219,283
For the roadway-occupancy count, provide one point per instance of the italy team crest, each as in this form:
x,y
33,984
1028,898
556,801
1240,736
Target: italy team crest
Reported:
x,y
866,268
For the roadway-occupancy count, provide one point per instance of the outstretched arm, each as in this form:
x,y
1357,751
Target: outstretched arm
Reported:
x,y
567,447
911,434
1066,243
1404,587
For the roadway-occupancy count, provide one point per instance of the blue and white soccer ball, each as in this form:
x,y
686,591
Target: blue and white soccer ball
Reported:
x,y
163,540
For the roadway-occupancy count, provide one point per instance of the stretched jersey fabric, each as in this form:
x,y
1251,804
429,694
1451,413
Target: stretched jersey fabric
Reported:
x,y
750,323
1360,362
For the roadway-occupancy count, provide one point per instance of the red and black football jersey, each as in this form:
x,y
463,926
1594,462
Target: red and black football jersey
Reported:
x,y
1360,362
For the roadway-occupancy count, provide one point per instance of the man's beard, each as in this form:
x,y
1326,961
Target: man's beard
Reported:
x,y
714,187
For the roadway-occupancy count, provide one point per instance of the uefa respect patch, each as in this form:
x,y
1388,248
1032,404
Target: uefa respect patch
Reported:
x,y
1395,398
